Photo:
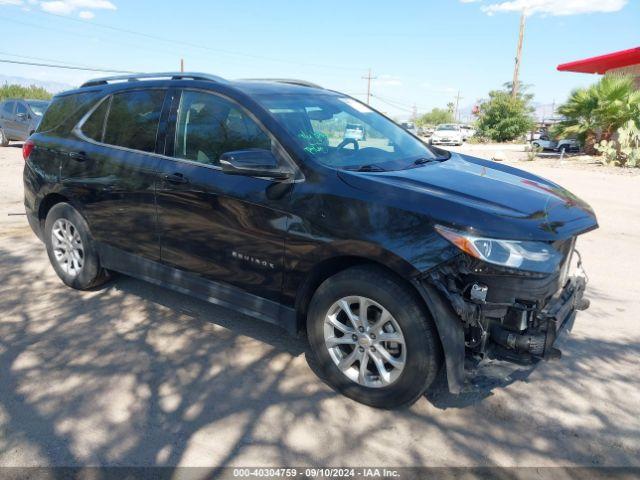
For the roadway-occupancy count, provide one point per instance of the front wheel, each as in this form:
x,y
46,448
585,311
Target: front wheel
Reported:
x,y
372,337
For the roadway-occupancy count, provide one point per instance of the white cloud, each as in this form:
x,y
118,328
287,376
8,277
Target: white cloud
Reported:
x,y
11,2
555,7
67,7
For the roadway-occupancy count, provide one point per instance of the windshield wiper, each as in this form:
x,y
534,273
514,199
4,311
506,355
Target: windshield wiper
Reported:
x,y
422,161
368,168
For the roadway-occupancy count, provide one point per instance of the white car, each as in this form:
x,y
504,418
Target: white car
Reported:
x,y
563,145
467,132
447,134
355,131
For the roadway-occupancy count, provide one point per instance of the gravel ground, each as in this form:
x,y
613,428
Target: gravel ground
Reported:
x,y
133,374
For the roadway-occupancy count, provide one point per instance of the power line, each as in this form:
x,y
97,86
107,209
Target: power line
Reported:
x,y
194,45
65,67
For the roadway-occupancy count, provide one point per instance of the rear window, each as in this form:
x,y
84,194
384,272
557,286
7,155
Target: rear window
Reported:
x,y
133,119
65,108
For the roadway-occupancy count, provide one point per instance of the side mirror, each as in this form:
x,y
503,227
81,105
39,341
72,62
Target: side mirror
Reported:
x,y
253,163
21,116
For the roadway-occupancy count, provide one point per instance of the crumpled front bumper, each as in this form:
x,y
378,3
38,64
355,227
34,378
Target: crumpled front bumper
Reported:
x,y
535,344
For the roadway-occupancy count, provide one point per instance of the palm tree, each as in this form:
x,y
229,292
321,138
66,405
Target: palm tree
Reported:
x,y
580,119
599,110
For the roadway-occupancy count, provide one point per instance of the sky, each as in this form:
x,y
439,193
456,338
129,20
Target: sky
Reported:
x,y
421,52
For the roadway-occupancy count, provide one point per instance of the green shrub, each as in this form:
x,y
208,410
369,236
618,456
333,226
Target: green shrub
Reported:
x,y
32,92
504,118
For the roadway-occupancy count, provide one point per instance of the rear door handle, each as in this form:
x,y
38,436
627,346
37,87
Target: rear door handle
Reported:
x,y
78,156
175,178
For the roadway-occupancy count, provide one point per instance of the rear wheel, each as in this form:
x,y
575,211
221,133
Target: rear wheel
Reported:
x,y
4,141
373,339
71,248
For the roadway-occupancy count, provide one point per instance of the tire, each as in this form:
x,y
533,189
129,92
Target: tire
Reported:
x,y
4,141
420,348
80,270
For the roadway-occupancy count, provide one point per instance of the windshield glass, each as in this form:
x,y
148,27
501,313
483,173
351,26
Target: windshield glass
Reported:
x,y
320,125
38,107
447,127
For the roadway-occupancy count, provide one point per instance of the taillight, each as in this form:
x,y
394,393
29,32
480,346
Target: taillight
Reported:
x,y
27,148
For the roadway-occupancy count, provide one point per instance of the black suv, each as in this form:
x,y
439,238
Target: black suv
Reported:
x,y
394,257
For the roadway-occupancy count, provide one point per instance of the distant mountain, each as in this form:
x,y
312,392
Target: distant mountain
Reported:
x,y
53,87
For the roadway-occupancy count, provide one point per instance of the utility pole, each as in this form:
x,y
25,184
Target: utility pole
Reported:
x,y
516,69
368,78
182,65
414,113
458,98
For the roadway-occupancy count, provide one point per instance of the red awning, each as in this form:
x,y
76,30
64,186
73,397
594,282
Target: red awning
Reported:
x,y
603,63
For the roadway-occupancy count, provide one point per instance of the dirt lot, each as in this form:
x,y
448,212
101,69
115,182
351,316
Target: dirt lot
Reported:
x,y
133,374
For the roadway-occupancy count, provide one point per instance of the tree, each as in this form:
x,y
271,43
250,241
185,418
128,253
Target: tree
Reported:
x,y
597,112
435,117
18,91
504,118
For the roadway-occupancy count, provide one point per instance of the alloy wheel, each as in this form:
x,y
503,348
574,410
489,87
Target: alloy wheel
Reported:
x,y
365,341
67,247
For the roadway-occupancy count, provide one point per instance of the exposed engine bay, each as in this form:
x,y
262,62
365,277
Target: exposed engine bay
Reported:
x,y
510,314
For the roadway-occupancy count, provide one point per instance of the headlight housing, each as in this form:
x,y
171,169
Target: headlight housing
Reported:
x,y
531,256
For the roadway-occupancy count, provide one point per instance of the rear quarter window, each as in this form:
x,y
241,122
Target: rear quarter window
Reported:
x,y
66,110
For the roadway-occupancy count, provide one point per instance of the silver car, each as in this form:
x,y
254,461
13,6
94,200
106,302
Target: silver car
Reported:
x,y
19,119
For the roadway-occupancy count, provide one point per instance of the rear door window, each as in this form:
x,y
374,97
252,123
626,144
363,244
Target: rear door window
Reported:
x,y
133,119
93,126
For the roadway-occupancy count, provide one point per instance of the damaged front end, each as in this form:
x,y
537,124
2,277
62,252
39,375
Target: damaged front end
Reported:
x,y
508,312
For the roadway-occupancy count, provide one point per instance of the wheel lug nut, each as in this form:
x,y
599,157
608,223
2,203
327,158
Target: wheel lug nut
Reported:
x,y
361,329
373,349
354,337
361,349
373,336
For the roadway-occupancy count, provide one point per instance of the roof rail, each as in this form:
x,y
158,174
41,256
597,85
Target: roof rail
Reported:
x,y
290,81
135,77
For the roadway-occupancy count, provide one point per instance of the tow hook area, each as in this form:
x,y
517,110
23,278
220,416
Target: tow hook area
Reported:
x,y
557,315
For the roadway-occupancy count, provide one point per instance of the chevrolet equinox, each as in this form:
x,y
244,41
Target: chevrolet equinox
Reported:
x,y
395,258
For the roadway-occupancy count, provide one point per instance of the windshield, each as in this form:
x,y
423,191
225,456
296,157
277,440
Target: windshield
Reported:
x,y
447,127
38,107
319,123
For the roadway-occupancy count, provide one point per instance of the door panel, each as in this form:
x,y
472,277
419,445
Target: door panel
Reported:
x,y
22,122
8,119
223,227
116,183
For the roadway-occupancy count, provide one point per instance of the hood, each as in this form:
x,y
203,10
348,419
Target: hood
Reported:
x,y
473,194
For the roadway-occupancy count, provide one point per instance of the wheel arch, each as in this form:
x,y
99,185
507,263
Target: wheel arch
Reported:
x,y
46,204
448,326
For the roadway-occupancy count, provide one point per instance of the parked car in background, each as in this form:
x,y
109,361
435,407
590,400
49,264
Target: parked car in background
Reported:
x,y
395,260
467,132
562,145
19,119
355,132
447,134
410,127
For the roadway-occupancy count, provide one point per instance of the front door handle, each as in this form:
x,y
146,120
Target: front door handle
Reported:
x,y
175,178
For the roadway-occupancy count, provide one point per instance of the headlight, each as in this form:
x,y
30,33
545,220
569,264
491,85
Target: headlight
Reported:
x,y
523,255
